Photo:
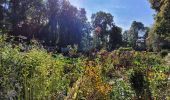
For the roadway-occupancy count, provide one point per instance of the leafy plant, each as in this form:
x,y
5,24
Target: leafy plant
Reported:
x,y
163,53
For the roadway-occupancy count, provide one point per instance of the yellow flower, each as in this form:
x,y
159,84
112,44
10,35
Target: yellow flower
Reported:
x,y
162,75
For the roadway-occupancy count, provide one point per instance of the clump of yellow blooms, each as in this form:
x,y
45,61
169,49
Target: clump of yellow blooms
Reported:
x,y
93,87
156,75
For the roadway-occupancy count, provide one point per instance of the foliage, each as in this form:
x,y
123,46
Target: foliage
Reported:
x,y
29,72
34,73
102,21
50,21
106,35
161,26
115,40
162,21
163,53
133,36
128,67
92,86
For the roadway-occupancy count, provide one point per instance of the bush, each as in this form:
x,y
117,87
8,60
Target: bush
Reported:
x,y
163,53
34,74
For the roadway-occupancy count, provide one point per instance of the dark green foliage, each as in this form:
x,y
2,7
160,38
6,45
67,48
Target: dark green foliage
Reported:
x,y
137,81
140,84
163,53
53,22
115,36
1,12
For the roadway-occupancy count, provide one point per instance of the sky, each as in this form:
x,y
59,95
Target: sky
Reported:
x,y
124,11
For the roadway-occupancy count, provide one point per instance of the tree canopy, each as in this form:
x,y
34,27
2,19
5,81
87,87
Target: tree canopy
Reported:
x,y
162,18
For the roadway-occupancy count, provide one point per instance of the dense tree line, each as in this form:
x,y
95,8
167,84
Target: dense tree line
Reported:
x,y
57,23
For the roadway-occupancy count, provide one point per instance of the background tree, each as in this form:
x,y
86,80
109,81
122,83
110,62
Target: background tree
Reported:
x,y
54,22
3,16
72,24
87,39
133,33
115,37
104,21
22,17
50,32
125,37
1,13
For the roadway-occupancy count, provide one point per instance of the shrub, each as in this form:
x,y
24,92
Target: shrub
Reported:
x,y
34,74
93,86
163,53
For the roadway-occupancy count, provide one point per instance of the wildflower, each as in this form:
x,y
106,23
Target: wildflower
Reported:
x,y
162,75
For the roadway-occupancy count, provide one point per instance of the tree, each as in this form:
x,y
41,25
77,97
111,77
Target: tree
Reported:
x,y
162,18
50,32
125,36
23,17
162,21
85,31
54,22
133,33
152,41
87,40
106,35
156,4
102,21
72,24
115,39
65,25
1,13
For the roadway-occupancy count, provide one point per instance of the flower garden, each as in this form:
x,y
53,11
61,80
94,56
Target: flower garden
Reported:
x,y
123,74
